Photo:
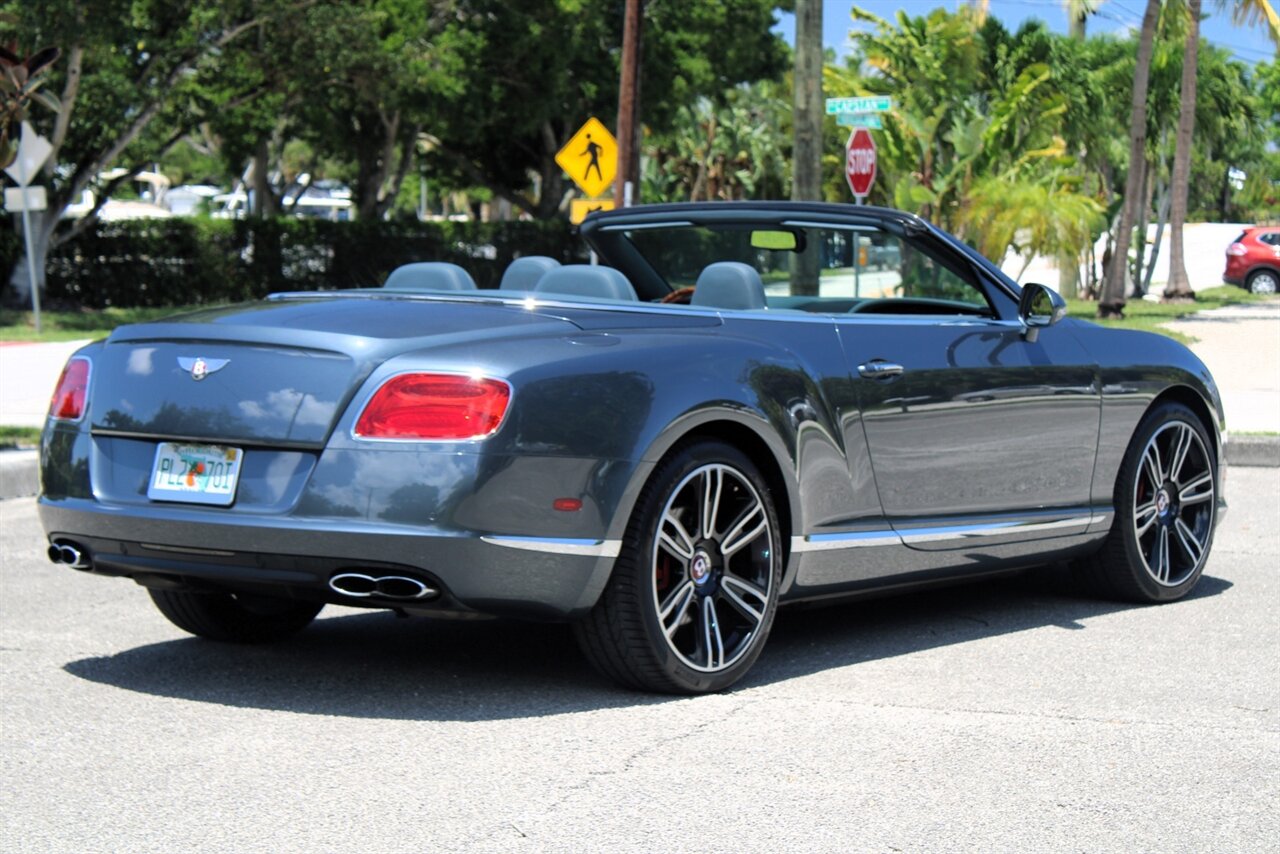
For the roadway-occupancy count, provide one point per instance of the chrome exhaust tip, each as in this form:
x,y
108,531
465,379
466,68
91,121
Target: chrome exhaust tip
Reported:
x,y
362,586
69,554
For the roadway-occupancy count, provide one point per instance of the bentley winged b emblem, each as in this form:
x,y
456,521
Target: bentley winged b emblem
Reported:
x,y
200,367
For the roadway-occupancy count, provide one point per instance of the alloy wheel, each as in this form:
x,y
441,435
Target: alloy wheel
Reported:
x,y
1173,504
712,573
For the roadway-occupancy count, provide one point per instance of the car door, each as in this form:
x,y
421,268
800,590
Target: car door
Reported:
x,y
975,431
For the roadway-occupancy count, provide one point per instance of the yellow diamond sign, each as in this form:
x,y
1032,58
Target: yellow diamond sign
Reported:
x,y
590,157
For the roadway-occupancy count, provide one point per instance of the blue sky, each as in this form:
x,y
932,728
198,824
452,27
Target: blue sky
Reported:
x,y
1249,44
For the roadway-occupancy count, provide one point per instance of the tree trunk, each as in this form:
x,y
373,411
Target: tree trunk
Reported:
x,y
1179,287
264,196
1111,302
1162,216
807,152
1139,264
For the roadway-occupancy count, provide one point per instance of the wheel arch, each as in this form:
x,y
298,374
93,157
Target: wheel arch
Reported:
x,y
1191,399
768,453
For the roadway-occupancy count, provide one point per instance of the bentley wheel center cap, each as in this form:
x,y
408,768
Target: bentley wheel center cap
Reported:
x,y
700,568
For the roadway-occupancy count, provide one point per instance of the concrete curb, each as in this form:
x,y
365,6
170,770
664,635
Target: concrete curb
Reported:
x,y
19,476
1253,451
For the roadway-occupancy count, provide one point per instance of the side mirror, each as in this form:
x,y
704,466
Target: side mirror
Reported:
x,y
1039,307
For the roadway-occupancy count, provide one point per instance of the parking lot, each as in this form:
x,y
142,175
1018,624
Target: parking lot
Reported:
x,y
1011,715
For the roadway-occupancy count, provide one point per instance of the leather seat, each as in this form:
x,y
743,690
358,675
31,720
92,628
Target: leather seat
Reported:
x,y
430,276
586,281
729,284
522,274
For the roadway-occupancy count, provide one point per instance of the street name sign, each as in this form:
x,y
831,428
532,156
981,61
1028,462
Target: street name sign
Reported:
x,y
590,158
860,120
876,104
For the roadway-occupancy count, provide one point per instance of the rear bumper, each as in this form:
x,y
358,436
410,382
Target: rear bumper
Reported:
x,y
529,577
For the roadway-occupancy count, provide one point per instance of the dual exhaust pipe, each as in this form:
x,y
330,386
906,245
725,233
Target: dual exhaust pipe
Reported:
x,y
355,584
362,586
69,554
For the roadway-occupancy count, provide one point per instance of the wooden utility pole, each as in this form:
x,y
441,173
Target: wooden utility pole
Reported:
x,y
629,109
806,152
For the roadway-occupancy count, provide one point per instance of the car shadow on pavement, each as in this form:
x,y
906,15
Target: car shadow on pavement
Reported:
x,y
376,665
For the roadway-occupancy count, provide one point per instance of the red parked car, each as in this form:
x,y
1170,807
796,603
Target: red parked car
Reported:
x,y
1253,260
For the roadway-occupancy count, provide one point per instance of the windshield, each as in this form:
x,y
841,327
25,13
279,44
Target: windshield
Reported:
x,y
810,267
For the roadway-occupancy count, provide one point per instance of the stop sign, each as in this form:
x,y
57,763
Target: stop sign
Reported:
x,y
860,162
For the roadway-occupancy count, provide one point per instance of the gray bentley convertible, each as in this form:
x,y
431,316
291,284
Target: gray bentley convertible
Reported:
x,y
741,406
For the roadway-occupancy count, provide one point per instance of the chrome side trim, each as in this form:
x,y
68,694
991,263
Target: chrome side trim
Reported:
x,y
1082,520
991,529
844,540
554,545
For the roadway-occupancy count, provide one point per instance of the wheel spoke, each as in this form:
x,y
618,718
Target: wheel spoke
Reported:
x,y
1198,490
1144,517
712,486
1162,555
675,538
1190,542
673,611
750,525
1151,461
1181,446
713,642
738,591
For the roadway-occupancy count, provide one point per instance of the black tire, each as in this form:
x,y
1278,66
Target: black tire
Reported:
x,y
1162,533
660,623
235,617
1263,282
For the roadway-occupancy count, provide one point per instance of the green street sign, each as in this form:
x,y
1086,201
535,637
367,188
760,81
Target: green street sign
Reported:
x,y
860,120
878,104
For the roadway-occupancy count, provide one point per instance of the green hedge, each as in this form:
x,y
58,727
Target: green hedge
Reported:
x,y
191,261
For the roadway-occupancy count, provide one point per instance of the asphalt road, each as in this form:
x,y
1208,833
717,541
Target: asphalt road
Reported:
x,y
1006,716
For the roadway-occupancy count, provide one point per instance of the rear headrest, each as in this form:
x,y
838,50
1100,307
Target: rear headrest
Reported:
x,y
586,280
523,273
729,284
430,276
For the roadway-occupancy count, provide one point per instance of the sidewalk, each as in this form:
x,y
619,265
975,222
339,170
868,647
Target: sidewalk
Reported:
x,y
1240,344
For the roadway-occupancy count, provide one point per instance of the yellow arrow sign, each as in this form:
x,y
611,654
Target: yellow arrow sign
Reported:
x,y
579,208
590,157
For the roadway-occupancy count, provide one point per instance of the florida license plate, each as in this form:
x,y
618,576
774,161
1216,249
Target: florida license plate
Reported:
x,y
197,474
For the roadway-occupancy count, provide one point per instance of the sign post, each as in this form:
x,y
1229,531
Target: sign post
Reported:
x,y
860,163
33,151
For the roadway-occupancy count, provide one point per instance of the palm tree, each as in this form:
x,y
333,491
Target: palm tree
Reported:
x,y
1078,12
1111,302
1179,286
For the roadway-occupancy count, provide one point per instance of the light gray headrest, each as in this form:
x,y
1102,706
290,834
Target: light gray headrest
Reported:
x,y
586,280
430,276
729,284
523,273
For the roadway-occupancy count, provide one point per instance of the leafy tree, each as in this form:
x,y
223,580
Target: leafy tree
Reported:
x,y
123,88
540,68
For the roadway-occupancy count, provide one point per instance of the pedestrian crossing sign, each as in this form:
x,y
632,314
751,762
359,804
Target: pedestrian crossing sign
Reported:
x,y
590,158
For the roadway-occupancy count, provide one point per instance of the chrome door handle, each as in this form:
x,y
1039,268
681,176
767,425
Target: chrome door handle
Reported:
x,y
877,370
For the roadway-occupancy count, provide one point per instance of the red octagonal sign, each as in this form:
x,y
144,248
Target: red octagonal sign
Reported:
x,y
860,162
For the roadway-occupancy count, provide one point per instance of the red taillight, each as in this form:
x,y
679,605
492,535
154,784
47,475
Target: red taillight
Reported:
x,y
72,390
1237,249
434,407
